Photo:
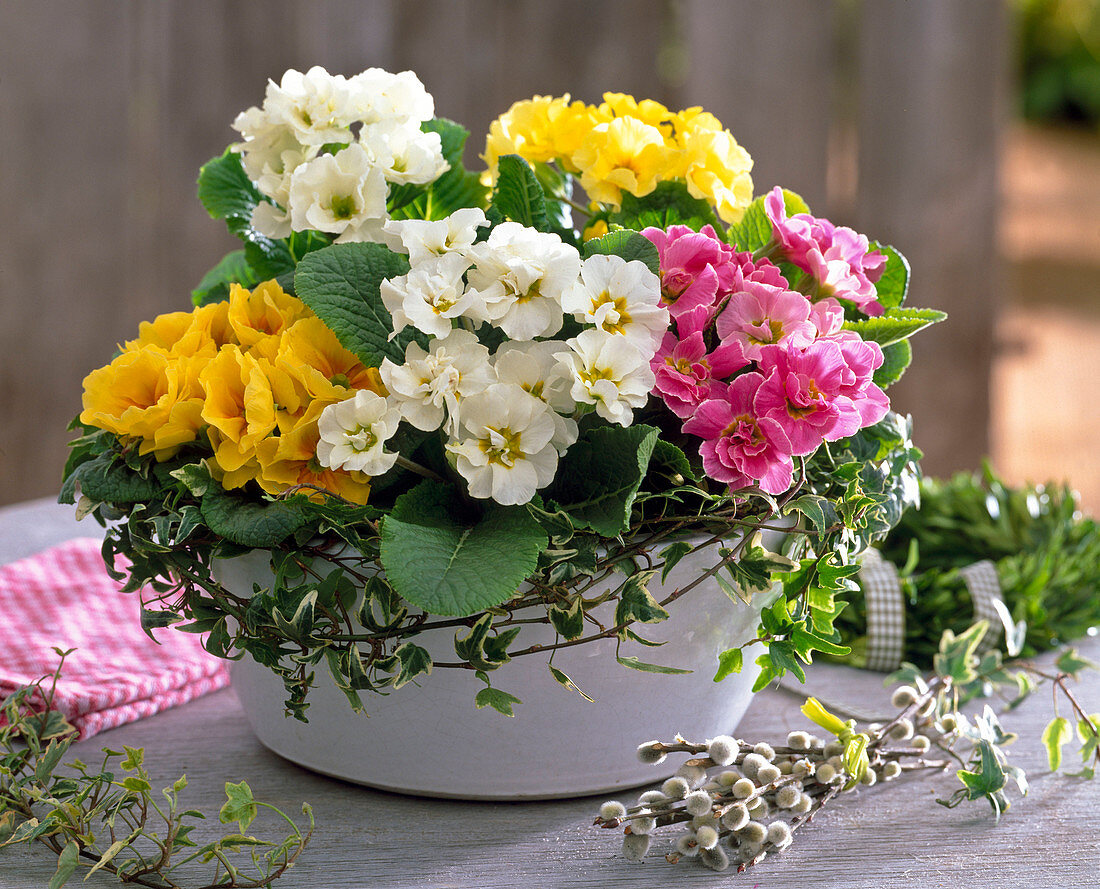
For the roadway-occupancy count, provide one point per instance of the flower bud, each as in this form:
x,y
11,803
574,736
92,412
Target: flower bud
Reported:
x,y
728,778
753,832
833,748
652,796
948,722
903,696
799,740
643,825
765,750
751,764
698,802
767,773
870,778
735,817
687,845
715,859
779,834
612,810
650,753
921,742
635,845
804,804
706,837
803,767
723,750
785,767
891,770
694,775
788,796
676,787
902,729
826,772
744,788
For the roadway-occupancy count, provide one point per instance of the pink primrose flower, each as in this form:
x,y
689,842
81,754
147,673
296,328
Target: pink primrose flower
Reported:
x,y
803,392
740,447
839,259
686,375
761,271
694,266
762,314
862,359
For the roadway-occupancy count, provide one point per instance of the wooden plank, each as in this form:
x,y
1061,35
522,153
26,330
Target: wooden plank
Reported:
x,y
766,71
931,110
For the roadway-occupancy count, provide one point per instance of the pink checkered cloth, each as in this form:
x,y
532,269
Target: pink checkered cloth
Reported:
x,y
64,598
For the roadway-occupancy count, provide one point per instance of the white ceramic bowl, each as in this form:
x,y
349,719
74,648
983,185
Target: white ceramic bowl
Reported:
x,y
431,740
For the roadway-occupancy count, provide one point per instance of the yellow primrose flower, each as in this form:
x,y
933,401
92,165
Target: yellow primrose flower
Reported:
x,y
647,111
623,155
310,352
263,311
595,229
185,334
239,406
291,458
540,129
717,170
148,395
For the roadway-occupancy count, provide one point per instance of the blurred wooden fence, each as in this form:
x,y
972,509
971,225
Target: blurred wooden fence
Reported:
x,y
884,115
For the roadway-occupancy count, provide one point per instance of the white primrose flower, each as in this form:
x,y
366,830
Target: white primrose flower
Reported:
x,y
430,385
376,95
426,239
504,447
353,432
533,367
404,152
619,297
315,106
610,372
343,194
429,296
520,275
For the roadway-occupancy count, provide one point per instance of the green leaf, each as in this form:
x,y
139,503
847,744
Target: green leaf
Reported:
x,y
569,622
106,479
226,191
415,661
247,522
636,603
239,805
669,203
812,507
1071,662
671,555
893,285
214,286
755,229
104,859
518,195
448,562
630,245
729,661
499,700
895,325
896,359
599,477
1055,736
341,285
67,863
567,682
805,641
636,664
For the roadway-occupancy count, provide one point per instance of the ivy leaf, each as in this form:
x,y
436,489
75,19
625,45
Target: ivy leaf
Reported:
x,y
239,805
730,661
518,195
1055,736
599,477
449,562
567,682
671,555
636,664
569,622
341,285
67,863
636,603
630,245
499,700
415,661
755,228
895,325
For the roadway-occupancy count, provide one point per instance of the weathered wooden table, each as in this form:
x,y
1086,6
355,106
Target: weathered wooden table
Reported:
x,y
889,835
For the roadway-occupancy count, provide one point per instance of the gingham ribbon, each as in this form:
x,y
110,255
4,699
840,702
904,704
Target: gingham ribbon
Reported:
x,y
985,591
885,612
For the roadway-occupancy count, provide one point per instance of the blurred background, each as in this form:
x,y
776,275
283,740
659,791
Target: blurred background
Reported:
x,y
964,132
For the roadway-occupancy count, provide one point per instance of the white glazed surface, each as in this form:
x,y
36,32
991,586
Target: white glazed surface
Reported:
x,y
432,741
